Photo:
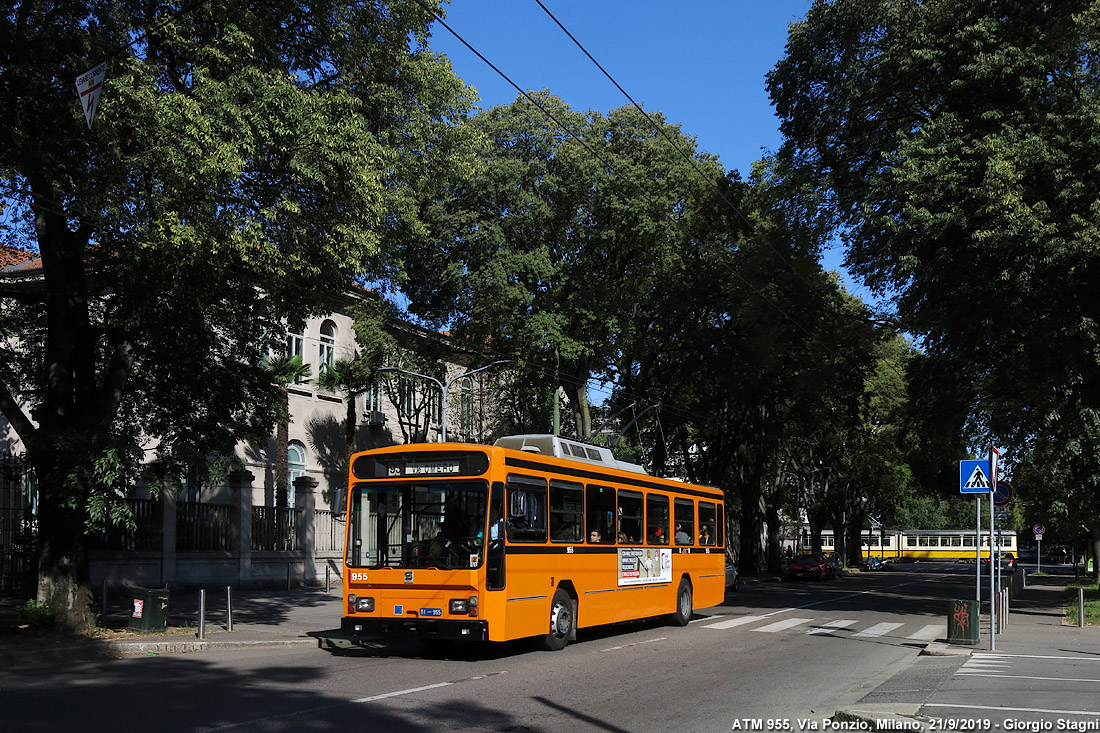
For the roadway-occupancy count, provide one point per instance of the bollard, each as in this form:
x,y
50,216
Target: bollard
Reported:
x,y
1081,607
228,608
288,576
202,613
328,581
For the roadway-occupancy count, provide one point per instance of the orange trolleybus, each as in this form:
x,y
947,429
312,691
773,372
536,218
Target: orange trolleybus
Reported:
x,y
535,536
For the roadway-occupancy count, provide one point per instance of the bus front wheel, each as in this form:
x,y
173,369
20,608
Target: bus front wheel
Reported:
x,y
562,622
682,616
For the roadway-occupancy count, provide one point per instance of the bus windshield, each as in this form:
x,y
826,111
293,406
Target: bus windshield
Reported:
x,y
417,524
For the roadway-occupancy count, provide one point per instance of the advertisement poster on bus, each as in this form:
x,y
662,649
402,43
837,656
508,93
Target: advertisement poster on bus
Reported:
x,y
639,565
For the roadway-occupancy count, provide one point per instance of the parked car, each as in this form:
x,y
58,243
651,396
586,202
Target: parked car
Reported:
x,y
731,576
809,567
1007,561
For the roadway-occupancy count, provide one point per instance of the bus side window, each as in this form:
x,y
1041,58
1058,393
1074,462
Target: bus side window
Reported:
x,y
526,509
599,505
566,511
707,523
630,516
656,519
684,516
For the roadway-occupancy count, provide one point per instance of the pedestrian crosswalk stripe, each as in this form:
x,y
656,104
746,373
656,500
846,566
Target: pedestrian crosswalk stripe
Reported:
x,y
729,624
784,624
841,623
929,633
879,629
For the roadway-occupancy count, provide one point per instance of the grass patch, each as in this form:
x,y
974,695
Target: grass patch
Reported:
x,y
1092,603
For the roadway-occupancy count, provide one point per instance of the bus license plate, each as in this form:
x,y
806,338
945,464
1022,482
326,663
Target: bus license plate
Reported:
x,y
431,612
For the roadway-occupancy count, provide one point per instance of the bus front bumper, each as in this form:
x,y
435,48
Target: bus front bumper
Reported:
x,y
421,628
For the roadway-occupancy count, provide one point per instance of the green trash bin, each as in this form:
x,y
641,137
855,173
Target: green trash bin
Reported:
x,y
149,611
963,622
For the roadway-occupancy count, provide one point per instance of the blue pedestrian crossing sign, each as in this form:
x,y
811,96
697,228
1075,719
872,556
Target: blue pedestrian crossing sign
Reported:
x,y
974,477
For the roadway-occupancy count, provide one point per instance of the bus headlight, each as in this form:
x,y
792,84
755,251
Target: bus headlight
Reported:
x,y
464,606
364,605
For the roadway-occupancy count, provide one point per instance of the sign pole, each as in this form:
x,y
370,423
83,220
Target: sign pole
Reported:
x,y
993,456
978,556
1039,553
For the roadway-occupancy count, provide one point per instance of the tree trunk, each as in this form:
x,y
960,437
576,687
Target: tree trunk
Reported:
x,y
772,553
282,447
63,576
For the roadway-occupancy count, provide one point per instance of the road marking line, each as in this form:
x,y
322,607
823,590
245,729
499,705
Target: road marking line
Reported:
x,y
781,625
929,633
878,629
999,655
840,623
399,693
359,701
637,643
1023,677
1014,710
733,622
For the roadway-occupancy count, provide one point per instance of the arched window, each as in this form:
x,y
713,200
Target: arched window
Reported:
x,y
328,346
296,463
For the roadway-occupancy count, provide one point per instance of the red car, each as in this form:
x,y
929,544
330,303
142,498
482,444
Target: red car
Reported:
x,y
810,567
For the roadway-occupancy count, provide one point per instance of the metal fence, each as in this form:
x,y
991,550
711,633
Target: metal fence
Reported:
x,y
145,534
18,527
204,527
275,529
329,529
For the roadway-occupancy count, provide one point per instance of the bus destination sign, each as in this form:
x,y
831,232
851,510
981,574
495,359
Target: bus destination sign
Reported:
x,y
413,467
407,464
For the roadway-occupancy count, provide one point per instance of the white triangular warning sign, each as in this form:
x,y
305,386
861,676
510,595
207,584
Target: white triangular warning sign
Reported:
x,y
977,480
88,85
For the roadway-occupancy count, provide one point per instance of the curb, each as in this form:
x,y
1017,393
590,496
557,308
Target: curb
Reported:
x,y
889,716
201,645
942,649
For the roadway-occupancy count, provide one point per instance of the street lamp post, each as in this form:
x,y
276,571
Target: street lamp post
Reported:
x,y
443,387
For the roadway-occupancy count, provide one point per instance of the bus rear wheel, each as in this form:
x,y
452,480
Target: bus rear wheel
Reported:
x,y
562,622
682,616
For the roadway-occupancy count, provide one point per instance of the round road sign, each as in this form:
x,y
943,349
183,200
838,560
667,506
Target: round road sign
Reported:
x,y
1038,529
1002,494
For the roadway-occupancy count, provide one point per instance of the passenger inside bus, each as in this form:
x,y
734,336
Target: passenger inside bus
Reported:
x,y
704,536
594,537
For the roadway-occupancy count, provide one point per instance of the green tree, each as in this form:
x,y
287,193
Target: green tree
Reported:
x,y
244,161
552,250
957,143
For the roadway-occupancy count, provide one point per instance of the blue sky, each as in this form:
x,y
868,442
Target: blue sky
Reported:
x,y
699,62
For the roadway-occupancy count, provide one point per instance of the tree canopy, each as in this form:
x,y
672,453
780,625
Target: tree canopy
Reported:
x,y
958,144
245,163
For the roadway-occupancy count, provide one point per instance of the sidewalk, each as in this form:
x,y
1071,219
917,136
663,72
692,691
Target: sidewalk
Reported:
x,y
261,618
1036,626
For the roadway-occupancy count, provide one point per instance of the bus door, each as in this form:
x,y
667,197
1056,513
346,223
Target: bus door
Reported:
x,y
494,553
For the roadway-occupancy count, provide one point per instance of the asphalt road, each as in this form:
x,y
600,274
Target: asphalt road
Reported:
x,y
775,656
